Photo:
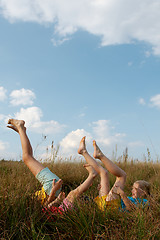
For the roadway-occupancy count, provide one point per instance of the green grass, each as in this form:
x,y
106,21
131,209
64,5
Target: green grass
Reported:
x,y
21,216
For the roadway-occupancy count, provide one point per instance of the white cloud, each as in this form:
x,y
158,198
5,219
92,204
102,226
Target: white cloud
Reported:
x,y
101,131
142,101
104,133
3,145
116,22
3,93
22,97
69,144
101,128
48,127
56,41
155,101
32,117
6,151
147,54
2,117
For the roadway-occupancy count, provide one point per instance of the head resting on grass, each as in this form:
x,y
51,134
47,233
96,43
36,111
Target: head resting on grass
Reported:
x,y
141,188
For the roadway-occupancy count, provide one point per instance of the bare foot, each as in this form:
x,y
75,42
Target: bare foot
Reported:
x,y
97,152
16,124
82,146
91,170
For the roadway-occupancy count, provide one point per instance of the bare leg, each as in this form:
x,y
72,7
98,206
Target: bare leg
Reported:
x,y
112,168
27,153
105,187
84,186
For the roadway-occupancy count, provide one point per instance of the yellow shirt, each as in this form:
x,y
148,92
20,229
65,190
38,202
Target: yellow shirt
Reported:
x,y
102,203
41,195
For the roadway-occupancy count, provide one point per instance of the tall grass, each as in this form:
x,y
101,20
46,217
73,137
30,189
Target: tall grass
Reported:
x,y
21,216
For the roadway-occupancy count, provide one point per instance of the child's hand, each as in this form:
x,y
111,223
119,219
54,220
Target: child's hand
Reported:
x,y
58,200
117,190
56,185
61,196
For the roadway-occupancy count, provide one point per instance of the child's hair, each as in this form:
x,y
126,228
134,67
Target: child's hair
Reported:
x,y
144,185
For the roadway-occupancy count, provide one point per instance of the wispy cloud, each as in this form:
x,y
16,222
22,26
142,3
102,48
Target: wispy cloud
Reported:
x,y
2,117
3,145
22,97
83,112
6,151
3,92
48,127
130,64
141,101
147,54
105,133
155,101
115,22
81,115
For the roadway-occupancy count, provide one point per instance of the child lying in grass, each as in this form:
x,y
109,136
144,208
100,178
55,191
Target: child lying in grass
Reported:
x,y
51,190
50,194
111,198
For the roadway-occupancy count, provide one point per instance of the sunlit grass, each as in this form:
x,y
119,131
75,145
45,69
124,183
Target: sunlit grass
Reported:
x,y
21,216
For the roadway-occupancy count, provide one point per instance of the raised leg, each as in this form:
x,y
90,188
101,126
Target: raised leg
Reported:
x,y
104,182
84,186
27,153
112,168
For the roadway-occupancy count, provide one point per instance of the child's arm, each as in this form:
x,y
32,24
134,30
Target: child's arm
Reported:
x,y
58,200
129,205
55,187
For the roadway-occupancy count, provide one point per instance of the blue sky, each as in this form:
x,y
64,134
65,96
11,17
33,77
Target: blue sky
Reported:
x,y
72,68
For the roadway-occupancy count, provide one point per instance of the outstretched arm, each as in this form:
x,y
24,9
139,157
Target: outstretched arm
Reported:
x,y
55,186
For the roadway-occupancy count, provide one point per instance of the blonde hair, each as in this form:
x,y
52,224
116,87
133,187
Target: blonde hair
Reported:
x,y
144,185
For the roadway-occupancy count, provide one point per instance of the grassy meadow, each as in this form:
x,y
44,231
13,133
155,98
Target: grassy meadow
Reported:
x,y
21,216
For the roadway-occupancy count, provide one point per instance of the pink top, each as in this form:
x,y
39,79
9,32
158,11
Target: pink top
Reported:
x,y
66,204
